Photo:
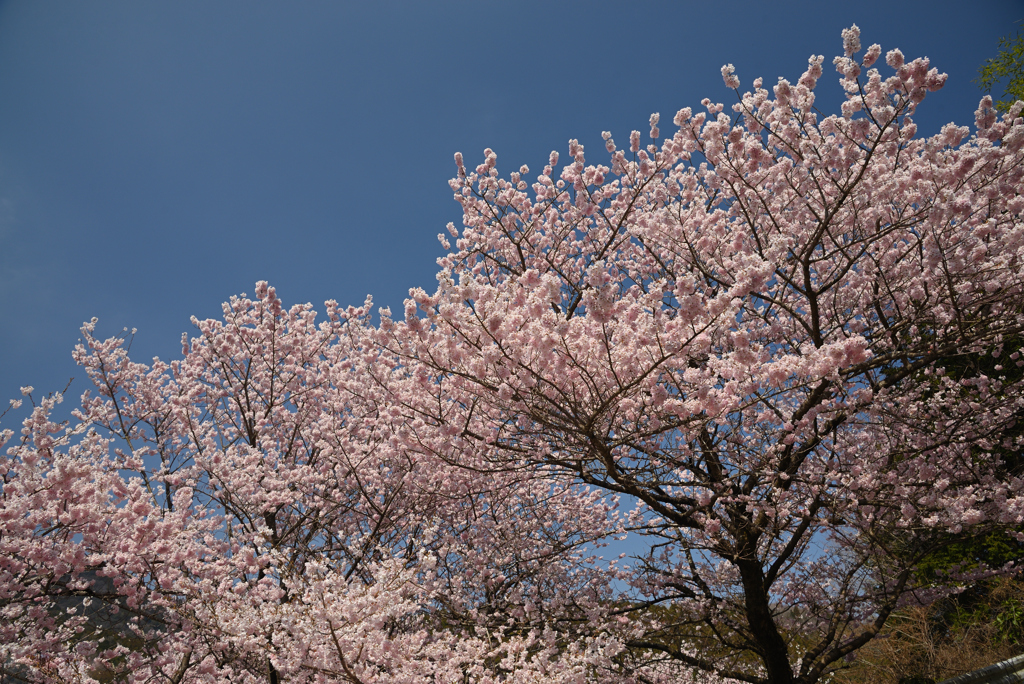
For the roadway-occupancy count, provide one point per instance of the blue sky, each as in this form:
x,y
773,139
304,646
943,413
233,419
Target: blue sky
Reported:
x,y
158,157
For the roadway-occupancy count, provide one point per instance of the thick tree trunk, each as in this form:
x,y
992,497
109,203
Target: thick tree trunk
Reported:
x,y
272,675
773,650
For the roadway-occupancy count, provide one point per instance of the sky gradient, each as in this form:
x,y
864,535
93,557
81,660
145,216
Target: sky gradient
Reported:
x,y
156,158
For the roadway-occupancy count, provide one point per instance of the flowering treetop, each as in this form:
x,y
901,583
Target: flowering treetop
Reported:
x,y
745,327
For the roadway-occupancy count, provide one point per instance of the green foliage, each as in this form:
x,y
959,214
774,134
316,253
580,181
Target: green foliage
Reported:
x,y
1009,621
966,552
995,602
1007,66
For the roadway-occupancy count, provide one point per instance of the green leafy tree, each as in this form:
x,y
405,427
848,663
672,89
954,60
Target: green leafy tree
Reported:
x,y
1007,66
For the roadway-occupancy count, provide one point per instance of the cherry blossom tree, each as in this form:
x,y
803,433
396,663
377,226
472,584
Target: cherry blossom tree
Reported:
x,y
744,327
255,512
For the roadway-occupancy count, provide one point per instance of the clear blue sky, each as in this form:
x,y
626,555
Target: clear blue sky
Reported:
x,y
157,157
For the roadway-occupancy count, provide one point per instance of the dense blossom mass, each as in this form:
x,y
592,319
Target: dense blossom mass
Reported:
x,y
778,350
